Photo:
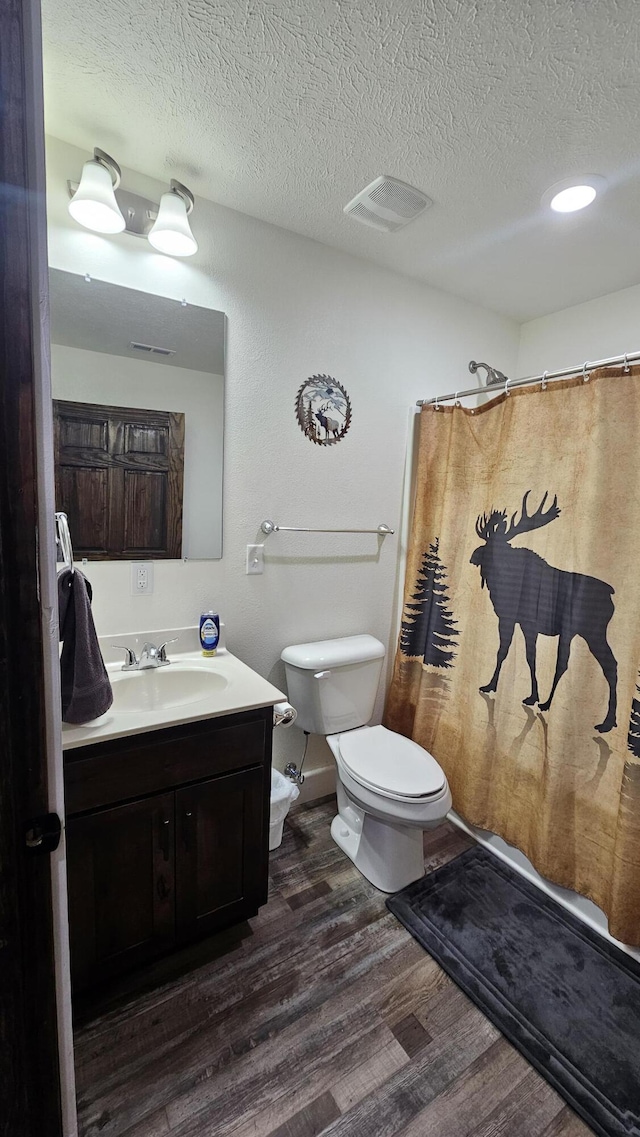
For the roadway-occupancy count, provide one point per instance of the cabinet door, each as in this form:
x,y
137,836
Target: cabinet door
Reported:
x,y
219,852
121,887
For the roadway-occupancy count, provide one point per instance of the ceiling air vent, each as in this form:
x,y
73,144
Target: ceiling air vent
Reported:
x,y
150,349
387,204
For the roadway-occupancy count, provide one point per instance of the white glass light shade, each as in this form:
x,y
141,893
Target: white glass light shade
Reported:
x,y
94,203
171,232
572,199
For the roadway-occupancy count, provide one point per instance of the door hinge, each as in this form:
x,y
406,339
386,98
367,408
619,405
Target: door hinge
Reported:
x,y
43,833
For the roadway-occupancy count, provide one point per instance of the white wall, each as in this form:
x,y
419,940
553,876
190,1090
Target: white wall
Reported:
x,y
295,308
96,377
600,328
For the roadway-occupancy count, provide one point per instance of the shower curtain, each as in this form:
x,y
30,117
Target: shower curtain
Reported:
x,y
518,656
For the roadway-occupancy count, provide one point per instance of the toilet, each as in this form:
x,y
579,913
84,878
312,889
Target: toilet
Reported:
x,y
389,788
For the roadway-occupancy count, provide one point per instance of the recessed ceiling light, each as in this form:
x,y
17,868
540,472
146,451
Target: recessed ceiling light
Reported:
x,y
573,194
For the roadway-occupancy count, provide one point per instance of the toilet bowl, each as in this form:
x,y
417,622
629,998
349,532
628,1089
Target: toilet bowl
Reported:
x,y
389,791
389,788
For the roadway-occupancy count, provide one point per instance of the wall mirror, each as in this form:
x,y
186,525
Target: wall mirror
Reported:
x,y
138,401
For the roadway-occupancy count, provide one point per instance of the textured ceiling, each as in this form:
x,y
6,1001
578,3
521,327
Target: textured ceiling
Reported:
x,y
284,109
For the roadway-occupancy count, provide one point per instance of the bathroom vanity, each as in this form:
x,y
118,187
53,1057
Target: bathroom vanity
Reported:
x,y
167,828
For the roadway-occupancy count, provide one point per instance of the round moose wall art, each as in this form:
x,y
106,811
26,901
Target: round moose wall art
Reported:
x,y
323,410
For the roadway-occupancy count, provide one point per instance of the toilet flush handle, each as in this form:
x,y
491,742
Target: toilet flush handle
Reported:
x,y
322,675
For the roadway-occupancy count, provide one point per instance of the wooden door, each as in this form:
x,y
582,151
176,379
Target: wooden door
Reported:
x,y
219,852
119,479
121,887
30,1102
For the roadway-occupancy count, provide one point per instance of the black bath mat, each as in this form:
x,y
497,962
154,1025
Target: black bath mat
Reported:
x,y
567,999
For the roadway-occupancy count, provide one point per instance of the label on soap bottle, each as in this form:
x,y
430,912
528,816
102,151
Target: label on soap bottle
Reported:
x,y
209,632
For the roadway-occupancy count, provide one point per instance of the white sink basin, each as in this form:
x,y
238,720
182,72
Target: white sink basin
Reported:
x,y
163,688
190,689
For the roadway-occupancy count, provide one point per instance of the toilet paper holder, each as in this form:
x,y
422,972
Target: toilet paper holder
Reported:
x,y
284,714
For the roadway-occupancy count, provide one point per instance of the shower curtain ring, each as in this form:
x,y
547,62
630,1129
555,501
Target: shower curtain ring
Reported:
x,y
506,387
626,364
585,377
436,404
544,384
457,401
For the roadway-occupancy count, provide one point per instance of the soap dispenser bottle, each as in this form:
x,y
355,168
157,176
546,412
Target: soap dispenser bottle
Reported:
x,y
209,632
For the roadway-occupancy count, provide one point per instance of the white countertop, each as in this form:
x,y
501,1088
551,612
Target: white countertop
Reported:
x,y
239,689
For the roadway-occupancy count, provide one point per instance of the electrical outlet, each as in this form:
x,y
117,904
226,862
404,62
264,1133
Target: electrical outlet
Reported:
x,y
141,577
255,560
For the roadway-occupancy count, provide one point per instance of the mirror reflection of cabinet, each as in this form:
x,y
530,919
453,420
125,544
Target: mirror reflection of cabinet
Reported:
x,y
119,477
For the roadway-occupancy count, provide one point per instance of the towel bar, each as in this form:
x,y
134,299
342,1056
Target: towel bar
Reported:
x,y
268,527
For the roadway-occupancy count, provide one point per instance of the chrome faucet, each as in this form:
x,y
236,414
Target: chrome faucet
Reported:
x,y
150,656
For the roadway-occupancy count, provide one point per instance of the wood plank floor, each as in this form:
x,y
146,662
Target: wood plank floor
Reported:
x,y
324,1017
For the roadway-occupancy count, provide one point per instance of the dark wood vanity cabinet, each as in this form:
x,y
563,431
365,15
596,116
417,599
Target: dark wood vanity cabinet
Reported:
x,y
167,839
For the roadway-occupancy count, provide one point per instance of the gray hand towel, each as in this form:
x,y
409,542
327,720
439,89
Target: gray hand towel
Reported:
x,y
86,690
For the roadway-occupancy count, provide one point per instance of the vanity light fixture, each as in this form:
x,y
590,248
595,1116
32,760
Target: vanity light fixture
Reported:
x,y
94,204
171,232
572,194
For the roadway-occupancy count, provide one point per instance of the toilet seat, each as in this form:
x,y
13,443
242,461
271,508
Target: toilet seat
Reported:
x,y
390,764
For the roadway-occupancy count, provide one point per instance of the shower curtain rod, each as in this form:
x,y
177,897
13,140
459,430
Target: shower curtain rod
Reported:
x,y
510,384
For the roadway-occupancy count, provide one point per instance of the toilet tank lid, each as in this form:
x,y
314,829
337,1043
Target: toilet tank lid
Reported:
x,y
333,653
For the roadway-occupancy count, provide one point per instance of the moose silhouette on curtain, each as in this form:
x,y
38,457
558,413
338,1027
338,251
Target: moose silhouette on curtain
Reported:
x,y
547,601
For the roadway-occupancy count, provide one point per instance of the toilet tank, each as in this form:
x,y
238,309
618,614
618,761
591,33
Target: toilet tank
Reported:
x,y
333,683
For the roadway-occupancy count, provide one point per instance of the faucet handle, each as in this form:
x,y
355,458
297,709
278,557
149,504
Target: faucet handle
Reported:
x,y
162,654
130,658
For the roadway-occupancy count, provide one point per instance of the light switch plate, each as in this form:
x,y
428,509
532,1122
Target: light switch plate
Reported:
x,y
255,560
141,577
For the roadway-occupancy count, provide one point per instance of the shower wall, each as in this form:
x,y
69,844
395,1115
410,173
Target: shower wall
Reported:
x,y
599,328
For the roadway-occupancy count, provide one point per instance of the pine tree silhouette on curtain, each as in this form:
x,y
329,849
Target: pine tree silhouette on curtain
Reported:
x,y
429,628
633,737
